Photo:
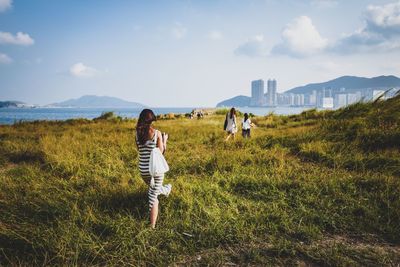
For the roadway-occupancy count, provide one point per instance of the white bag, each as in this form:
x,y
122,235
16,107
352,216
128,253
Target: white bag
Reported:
x,y
157,164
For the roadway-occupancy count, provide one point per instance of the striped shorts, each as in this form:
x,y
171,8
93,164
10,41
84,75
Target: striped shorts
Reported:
x,y
157,189
144,158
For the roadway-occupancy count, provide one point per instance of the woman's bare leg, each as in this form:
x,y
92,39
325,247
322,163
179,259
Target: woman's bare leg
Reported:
x,y
154,214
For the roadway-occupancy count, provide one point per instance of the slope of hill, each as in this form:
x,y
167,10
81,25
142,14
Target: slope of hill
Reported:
x,y
11,104
92,101
314,189
349,82
237,101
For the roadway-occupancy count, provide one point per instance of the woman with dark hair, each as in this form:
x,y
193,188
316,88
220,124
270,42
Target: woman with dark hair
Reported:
x,y
246,125
147,138
231,127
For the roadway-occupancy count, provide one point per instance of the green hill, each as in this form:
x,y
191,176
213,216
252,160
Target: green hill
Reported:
x,y
10,104
314,189
350,83
92,101
237,101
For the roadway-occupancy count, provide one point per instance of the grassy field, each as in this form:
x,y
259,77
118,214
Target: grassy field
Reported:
x,y
319,188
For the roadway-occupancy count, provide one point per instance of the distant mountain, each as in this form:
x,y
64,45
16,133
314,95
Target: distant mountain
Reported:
x,y
11,104
350,83
237,101
92,101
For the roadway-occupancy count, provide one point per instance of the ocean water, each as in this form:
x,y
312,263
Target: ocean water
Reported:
x,y
12,115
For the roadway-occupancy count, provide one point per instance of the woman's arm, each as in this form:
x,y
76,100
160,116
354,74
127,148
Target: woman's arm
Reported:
x,y
165,138
160,142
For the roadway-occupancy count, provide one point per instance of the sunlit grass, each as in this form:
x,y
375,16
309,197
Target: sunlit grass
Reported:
x,y
306,189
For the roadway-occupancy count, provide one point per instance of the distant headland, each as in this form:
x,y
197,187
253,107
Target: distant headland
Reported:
x,y
87,101
93,101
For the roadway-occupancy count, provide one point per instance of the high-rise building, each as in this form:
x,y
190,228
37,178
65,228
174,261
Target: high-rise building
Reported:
x,y
327,102
299,100
327,92
354,98
313,98
292,99
257,93
307,99
340,100
283,99
271,93
320,97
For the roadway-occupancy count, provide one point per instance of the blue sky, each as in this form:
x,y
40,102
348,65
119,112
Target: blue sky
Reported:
x,y
188,53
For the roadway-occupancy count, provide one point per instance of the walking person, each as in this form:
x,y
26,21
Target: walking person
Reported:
x,y
148,138
246,126
230,122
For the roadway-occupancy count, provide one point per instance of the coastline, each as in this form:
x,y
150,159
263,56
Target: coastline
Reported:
x,y
13,115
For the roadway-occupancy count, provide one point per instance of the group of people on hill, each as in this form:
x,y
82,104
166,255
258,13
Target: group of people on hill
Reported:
x,y
230,125
198,114
152,144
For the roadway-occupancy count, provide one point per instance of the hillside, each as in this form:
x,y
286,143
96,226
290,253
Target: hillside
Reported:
x,y
314,189
349,82
92,101
237,101
10,104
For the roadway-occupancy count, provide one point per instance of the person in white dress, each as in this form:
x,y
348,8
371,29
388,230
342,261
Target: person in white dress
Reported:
x,y
246,126
231,125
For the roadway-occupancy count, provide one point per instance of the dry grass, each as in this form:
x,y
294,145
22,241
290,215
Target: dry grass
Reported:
x,y
294,194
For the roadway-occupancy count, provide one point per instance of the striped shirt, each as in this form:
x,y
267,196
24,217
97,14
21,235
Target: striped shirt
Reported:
x,y
144,160
144,156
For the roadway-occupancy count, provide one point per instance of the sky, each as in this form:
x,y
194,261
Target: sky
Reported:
x,y
189,53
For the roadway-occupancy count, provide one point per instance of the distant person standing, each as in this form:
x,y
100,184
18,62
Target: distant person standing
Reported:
x,y
230,124
246,126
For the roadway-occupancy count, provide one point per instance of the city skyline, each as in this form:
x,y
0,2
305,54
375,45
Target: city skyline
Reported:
x,y
188,53
324,97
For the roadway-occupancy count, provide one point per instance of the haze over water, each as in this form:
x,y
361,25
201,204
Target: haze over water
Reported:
x,y
12,115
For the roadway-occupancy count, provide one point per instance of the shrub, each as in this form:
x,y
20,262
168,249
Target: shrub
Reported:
x,y
109,115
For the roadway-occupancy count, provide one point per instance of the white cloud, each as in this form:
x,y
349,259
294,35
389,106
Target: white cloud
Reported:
x,y
386,17
5,59
82,71
253,47
381,31
19,39
5,4
178,31
215,35
300,38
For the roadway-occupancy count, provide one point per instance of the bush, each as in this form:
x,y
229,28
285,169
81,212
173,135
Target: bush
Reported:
x,y
222,111
109,115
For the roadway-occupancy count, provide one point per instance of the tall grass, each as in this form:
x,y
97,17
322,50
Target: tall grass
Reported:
x,y
305,191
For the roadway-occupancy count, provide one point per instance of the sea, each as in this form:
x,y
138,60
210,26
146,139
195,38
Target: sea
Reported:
x,y
13,115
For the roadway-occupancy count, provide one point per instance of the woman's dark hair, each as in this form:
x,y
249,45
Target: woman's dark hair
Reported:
x,y
232,113
246,116
146,117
